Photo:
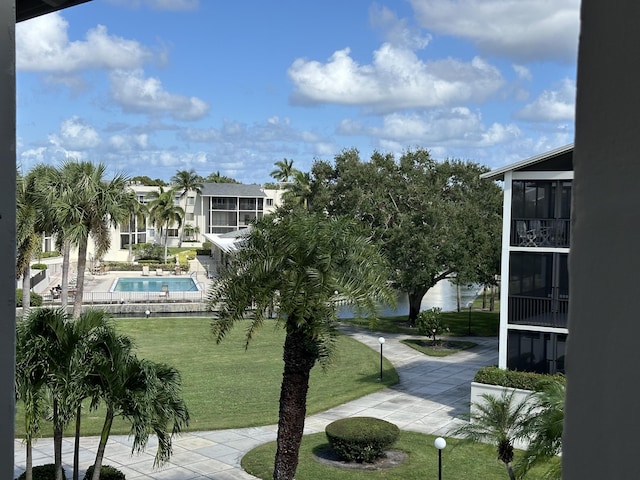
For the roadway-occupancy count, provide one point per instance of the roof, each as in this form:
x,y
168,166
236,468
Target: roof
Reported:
x,y
227,242
232,190
528,162
26,9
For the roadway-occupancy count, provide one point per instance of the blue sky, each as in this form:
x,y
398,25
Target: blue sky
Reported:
x,y
150,87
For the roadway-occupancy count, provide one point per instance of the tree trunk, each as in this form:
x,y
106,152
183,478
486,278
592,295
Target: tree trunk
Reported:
x,y
82,264
104,436
26,290
492,302
66,256
28,473
57,440
458,297
484,298
512,476
76,445
415,301
298,362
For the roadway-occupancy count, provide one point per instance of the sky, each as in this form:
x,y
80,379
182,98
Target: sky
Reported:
x,y
151,87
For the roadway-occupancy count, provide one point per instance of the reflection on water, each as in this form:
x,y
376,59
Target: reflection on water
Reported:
x,y
443,295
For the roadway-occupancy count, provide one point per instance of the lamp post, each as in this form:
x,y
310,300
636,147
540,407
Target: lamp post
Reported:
x,y
381,342
147,313
440,443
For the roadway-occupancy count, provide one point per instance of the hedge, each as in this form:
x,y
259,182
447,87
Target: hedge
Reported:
x,y
515,379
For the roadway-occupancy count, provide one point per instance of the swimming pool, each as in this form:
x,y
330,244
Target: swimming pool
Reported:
x,y
175,284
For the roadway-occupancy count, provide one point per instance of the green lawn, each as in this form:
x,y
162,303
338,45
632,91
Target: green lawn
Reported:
x,y
483,324
226,386
459,461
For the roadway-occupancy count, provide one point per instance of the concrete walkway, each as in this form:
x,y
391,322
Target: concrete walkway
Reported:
x,y
431,393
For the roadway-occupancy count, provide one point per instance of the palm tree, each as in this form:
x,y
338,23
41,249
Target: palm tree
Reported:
x,y
299,192
544,426
499,421
187,181
301,263
29,227
217,177
284,170
164,212
137,214
145,393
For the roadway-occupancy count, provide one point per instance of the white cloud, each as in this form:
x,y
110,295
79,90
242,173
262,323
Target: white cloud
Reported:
x,y
458,127
396,31
397,79
523,30
76,135
138,94
552,105
42,45
129,143
522,72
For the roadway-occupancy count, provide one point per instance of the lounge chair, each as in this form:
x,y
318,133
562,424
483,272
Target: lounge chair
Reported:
x,y
145,270
158,272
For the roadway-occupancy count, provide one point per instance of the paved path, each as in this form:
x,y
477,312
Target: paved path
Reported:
x,y
431,393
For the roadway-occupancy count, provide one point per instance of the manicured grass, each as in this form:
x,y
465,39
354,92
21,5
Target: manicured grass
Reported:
x,y
441,349
460,460
483,324
226,386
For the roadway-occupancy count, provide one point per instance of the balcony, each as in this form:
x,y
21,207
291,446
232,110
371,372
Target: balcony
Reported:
x,y
541,312
540,232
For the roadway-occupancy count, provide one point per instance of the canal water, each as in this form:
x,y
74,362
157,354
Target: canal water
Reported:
x,y
443,295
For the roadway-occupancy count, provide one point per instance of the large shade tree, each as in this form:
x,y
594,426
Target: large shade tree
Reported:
x,y
433,220
301,264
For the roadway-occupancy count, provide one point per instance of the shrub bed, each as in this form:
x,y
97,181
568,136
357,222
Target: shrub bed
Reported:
x,y
515,379
39,266
107,472
361,439
43,472
36,300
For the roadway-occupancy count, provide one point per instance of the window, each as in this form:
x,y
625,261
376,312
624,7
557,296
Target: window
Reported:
x,y
536,351
189,216
247,204
269,202
172,232
222,203
191,200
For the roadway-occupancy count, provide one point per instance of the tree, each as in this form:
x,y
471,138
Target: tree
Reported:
x,y
145,180
544,426
29,229
145,393
137,214
164,213
284,170
185,182
299,192
302,263
433,220
217,177
499,421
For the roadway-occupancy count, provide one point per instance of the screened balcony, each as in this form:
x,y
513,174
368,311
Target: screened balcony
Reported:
x,y
540,232
541,312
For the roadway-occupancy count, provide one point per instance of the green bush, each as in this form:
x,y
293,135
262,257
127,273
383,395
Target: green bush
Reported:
x,y
107,472
44,472
515,379
39,266
429,323
150,251
361,439
52,254
36,300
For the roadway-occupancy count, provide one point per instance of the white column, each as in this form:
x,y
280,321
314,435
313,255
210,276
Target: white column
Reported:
x,y
504,270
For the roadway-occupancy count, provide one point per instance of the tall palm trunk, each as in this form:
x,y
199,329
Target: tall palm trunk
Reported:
x,y
66,260
82,264
57,440
76,445
26,290
104,436
28,473
293,404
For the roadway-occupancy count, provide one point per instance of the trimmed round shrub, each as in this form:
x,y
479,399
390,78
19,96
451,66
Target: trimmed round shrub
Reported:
x,y
36,300
107,472
361,439
44,472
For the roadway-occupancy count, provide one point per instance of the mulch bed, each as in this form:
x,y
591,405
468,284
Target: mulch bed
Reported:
x,y
391,458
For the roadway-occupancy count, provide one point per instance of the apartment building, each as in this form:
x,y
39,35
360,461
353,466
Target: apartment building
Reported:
x,y
535,250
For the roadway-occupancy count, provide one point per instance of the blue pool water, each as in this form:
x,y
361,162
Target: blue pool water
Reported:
x,y
186,284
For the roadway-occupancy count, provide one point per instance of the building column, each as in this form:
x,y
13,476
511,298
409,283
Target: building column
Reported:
x,y
7,234
603,356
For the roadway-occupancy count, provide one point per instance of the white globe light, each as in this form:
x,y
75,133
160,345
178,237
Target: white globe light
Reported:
x,y
440,443
381,340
